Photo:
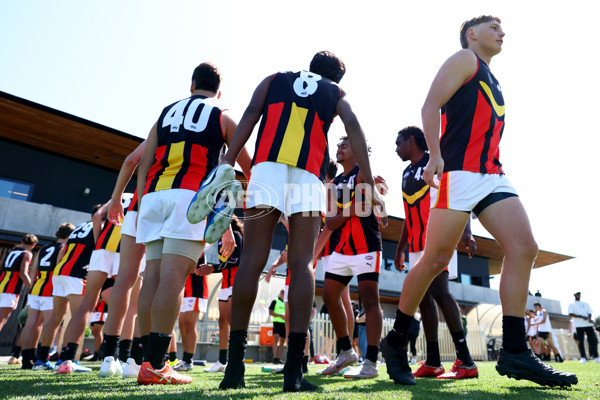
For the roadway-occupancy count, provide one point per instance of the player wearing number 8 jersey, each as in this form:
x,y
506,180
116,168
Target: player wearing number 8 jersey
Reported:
x,y
291,158
465,161
181,150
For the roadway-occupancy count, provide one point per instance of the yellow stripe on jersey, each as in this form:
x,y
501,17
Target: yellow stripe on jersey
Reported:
x,y
37,286
114,239
347,204
416,196
294,136
175,161
65,258
5,281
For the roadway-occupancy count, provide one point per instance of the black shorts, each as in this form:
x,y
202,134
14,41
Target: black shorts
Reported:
x,y
576,336
279,329
543,335
531,337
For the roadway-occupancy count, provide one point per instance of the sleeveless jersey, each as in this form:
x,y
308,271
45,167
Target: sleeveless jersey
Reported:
x,y
76,259
415,192
359,235
299,110
110,236
10,281
229,266
278,308
196,286
48,257
190,139
472,123
331,243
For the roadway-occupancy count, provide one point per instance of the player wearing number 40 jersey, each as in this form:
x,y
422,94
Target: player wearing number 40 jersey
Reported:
x,y
182,148
295,110
40,296
470,179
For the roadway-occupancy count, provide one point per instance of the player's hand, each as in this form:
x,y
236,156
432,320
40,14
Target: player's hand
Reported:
x,y
116,212
228,243
283,256
381,185
434,168
270,273
469,242
399,261
203,270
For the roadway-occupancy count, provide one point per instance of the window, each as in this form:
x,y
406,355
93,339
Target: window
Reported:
x,y
13,189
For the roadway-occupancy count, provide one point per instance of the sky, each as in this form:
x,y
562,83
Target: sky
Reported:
x,y
119,63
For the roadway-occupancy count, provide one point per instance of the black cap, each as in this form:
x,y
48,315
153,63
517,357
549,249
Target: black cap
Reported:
x,y
577,293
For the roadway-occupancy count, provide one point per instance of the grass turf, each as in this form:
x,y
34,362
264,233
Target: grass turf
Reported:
x,y
16,383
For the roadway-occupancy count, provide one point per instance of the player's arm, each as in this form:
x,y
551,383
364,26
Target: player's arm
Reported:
x,y
35,265
468,240
248,122
99,219
228,125
323,237
115,211
451,76
402,242
379,208
24,268
146,161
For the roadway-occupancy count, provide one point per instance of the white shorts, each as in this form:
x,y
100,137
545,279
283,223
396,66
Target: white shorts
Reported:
x,y
452,267
41,303
8,300
105,261
63,286
129,224
289,189
355,265
225,294
193,304
163,214
464,190
143,266
286,290
97,317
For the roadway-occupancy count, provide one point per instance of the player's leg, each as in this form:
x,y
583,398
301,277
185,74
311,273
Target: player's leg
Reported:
x,y
187,326
59,310
29,336
429,316
259,227
4,314
348,309
368,288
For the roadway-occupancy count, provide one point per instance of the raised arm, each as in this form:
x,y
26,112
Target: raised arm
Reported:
x,y
146,161
452,75
115,211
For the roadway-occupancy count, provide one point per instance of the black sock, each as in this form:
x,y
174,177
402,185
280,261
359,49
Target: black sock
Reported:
x,y
372,353
42,353
513,335
16,351
433,354
344,344
305,365
144,340
172,356
293,379
187,357
137,351
124,349
223,356
158,344
28,356
70,351
62,354
109,346
462,351
296,344
399,335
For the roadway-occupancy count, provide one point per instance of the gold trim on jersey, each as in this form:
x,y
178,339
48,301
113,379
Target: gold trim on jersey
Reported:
x,y
175,161
289,151
498,108
416,196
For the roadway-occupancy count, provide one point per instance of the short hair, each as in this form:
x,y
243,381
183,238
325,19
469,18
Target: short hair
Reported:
x,y
331,169
530,310
96,208
64,230
346,138
30,238
537,303
417,134
206,76
328,65
471,23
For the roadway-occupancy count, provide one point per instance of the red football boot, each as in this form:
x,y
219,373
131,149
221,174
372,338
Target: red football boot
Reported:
x,y
459,371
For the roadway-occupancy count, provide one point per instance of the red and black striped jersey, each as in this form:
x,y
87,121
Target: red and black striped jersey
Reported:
x,y
133,203
48,257
229,265
10,277
417,203
472,123
110,235
299,110
359,235
196,286
190,139
79,247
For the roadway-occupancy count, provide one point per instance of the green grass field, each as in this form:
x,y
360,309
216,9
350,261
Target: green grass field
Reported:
x,y
16,383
